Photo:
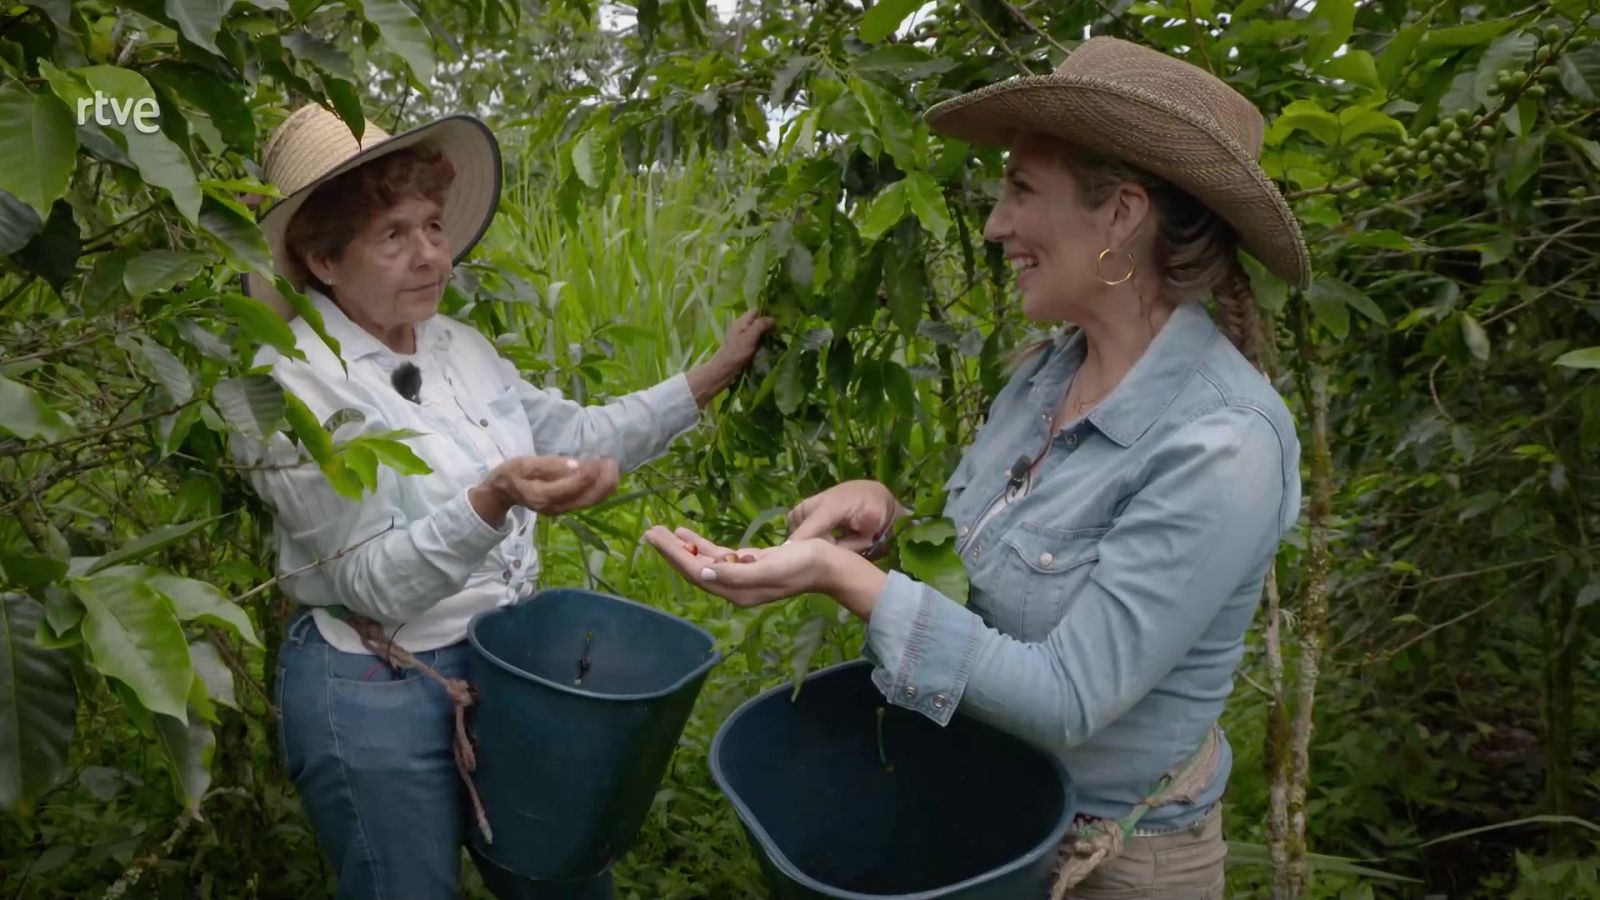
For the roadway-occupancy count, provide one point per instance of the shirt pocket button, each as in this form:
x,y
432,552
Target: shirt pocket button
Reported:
x,y
1045,559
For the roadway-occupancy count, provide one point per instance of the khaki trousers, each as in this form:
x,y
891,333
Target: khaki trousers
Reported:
x,y
1179,865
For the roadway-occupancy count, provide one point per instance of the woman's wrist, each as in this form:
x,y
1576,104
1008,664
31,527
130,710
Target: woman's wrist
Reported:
x,y
849,579
707,380
490,502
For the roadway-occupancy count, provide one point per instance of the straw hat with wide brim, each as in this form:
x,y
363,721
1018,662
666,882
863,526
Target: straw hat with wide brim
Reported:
x,y
313,145
1161,114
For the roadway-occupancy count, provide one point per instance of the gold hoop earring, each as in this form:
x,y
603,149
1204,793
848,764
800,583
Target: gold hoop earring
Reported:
x,y
1102,258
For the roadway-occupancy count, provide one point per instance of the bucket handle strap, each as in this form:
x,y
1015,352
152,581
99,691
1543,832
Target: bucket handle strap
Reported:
x,y
381,645
1102,840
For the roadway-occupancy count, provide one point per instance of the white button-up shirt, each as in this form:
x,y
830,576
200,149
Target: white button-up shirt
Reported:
x,y
413,553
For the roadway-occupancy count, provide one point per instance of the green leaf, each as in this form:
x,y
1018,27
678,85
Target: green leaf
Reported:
x,y
222,99
261,323
310,314
1590,150
884,17
1573,81
1397,53
160,161
1356,122
362,462
39,145
1329,306
253,405
1476,338
1515,823
18,224
1356,67
883,211
188,746
23,567
199,20
159,270
167,370
346,99
324,55
157,539
902,61
25,414
1440,41
1241,853
306,427
134,637
583,155
38,705
213,674
238,237
789,383
197,601
935,564
1307,116
1525,162
1334,289
927,201
402,32
1587,358
1329,25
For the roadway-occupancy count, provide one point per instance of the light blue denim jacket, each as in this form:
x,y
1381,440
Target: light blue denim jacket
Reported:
x,y
1109,603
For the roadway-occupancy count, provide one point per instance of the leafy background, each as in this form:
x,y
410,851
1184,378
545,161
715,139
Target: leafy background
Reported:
x,y
671,163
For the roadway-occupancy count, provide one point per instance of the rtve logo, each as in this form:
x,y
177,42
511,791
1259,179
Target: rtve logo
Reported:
x,y
143,113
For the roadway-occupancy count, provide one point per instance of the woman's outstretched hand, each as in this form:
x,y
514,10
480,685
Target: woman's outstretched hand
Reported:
x,y
714,375
549,485
747,577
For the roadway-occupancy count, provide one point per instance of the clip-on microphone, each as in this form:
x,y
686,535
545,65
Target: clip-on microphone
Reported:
x,y
1019,472
407,381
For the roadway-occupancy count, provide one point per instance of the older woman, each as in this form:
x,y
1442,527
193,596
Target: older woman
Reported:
x,y
370,231
1116,564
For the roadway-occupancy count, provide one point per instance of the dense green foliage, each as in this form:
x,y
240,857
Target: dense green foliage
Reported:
x,y
667,167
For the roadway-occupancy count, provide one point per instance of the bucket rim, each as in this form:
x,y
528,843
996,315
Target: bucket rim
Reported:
x,y
699,671
781,860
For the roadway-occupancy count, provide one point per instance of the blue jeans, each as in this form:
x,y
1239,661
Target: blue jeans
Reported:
x,y
369,751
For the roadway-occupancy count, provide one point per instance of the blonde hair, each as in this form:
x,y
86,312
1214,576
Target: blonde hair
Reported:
x,y
1195,250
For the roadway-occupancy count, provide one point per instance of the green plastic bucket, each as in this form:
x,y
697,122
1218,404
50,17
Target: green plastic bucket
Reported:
x,y
837,806
581,699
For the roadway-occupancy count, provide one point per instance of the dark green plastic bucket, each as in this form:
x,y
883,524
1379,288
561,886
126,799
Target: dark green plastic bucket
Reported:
x,y
581,699
838,808
507,885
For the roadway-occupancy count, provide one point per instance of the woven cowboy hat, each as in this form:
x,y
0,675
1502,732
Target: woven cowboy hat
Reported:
x,y
313,145
1169,118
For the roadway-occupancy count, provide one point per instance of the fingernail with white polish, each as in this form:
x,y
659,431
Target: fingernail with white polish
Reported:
x,y
572,464
708,575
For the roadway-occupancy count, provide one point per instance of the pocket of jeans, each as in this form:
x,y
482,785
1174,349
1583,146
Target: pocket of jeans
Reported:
x,y
1045,568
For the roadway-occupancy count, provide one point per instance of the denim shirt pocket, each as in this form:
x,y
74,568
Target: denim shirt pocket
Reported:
x,y
1042,570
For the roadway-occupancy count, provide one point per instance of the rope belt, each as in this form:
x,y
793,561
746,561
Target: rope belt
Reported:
x,y
459,691
1101,841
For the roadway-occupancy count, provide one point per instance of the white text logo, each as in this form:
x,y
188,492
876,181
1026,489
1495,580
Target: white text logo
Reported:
x,y
142,113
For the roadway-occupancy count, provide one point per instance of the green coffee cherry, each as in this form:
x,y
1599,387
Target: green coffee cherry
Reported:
x,y
1549,76
1430,134
1390,173
1537,91
1544,54
1552,33
1463,117
1405,155
1460,159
